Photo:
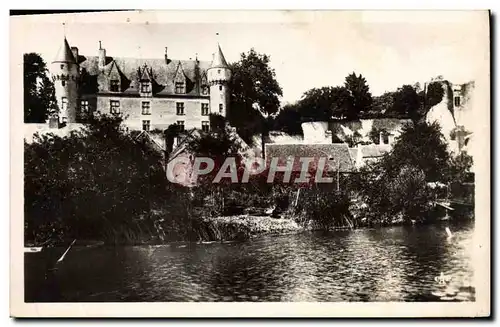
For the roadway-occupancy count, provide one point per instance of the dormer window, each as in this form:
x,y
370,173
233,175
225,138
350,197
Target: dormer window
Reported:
x,y
179,88
145,87
114,85
204,90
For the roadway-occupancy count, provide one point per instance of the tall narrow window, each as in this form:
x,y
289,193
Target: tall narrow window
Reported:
x,y
204,109
114,85
221,108
180,108
180,123
220,87
179,88
114,106
385,138
457,101
205,126
84,106
146,124
145,87
146,108
64,102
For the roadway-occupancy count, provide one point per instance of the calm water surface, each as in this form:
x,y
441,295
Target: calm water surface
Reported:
x,y
386,264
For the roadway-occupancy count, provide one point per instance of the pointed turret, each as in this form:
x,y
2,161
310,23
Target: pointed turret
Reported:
x,y
219,61
65,54
218,76
66,75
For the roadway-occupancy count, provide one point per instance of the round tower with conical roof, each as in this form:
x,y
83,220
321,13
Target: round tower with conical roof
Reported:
x,y
218,77
65,75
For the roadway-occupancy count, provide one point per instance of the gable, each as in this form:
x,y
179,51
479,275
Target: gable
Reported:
x,y
164,74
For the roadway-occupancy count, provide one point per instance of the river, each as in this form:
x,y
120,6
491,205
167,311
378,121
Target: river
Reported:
x,y
384,264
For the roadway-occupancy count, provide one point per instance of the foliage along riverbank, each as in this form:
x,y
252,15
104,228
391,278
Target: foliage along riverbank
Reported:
x,y
104,184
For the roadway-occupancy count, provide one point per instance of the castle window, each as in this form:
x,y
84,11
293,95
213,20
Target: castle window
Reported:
x,y
220,87
146,108
63,83
146,125
62,66
385,138
84,105
205,126
204,109
179,88
64,102
204,90
145,87
180,123
221,107
180,108
114,106
457,101
114,85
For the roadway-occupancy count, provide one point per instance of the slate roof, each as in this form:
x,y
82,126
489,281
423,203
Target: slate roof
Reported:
x,y
335,154
219,60
163,74
64,54
374,150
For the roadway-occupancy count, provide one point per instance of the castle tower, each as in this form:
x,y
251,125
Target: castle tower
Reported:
x,y
65,75
218,76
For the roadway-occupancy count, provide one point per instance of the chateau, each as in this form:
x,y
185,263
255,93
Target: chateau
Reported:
x,y
150,93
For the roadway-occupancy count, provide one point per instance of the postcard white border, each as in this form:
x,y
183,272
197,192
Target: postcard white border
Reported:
x,y
18,308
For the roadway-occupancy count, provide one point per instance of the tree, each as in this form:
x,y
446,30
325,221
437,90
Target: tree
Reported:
x,y
253,82
39,93
93,183
325,103
288,120
361,97
382,105
434,94
419,145
407,102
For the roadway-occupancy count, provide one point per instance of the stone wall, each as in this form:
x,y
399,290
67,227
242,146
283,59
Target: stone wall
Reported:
x,y
163,111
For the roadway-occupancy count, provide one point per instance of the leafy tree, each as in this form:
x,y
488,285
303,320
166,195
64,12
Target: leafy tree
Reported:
x,y
382,105
93,183
253,82
407,102
288,120
39,93
434,94
361,98
395,188
323,104
420,145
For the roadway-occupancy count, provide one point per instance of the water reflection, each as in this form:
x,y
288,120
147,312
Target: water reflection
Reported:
x,y
387,264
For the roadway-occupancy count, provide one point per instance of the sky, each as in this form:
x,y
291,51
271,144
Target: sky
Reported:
x,y
307,49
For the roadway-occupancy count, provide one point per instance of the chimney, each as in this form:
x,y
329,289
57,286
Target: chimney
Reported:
x,y
102,56
74,50
166,55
